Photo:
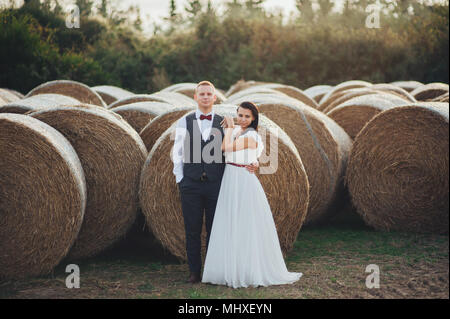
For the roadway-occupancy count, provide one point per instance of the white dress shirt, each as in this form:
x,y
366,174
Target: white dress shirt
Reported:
x,y
180,133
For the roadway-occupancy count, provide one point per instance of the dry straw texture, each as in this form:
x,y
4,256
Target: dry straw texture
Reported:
x,y
317,92
38,102
323,147
16,93
398,169
286,188
293,92
188,89
408,86
77,90
139,114
353,84
429,91
9,96
344,96
110,94
392,89
112,155
42,196
353,114
153,130
176,99
257,89
242,85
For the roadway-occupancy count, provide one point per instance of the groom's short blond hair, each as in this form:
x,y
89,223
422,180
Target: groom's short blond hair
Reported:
x,y
202,83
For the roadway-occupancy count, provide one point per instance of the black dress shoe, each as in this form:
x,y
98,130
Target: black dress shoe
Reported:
x,y
194,278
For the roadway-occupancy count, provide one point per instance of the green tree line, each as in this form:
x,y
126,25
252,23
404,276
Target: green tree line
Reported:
x,y
317,45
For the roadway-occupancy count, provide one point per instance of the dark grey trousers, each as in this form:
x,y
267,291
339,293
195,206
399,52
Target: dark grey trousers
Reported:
x,y
197,198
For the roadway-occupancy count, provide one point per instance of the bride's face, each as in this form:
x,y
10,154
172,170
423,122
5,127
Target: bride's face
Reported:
x,y
244,117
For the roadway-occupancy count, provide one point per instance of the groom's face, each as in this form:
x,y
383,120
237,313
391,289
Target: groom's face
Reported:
x,y
205,96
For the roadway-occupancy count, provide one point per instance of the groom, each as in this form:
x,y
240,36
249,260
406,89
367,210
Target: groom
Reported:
x,y
198,167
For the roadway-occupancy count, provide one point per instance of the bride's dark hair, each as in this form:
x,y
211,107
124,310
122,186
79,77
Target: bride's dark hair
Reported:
x,y
255,111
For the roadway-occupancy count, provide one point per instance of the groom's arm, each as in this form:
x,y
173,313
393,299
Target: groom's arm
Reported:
x,y
178,149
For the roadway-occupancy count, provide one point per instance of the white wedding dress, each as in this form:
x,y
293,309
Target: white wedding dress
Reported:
x,y
244,249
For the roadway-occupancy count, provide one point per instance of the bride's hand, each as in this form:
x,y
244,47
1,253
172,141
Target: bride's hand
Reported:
x,y
229,122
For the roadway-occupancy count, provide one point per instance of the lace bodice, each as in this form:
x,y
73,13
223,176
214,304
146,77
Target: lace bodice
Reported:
x,y
248,155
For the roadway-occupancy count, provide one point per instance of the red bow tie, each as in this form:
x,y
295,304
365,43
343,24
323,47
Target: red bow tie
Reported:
x,y
205,117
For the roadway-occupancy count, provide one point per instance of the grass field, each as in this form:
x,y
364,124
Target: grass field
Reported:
x,y
332,258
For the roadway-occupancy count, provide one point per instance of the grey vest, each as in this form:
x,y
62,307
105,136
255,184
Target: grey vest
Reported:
x,y
203,156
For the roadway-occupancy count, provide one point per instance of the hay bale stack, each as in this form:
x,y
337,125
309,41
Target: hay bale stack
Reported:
x,y
398,169
293,92
176,99
441,98
110,93
139,114
258,89
112,155
408,86
43,196
392,89
8,96
242,85
317,92
77,90
154,129
323,147
354,84
2,102
344,96
353,114
161,204
188,89
38,102
16,93
429,91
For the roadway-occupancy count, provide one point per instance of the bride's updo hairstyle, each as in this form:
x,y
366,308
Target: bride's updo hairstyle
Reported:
x,y
255,111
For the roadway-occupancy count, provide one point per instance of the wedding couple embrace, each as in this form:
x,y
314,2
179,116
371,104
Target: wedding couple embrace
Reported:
x,y
242,243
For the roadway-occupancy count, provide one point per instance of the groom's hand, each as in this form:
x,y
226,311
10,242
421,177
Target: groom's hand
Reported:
x,y
252,168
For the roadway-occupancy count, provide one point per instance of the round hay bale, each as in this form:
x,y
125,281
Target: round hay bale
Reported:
x,y
323,147
398,169
16,93
8,96
77,90
43,196
293,92
353,114
188,89
242,85
154,129
429,91
38,102
139,114
353,84
344,96
161,204
112,155
395,90
441,98
258,89
2,102
110,93
317,92
176,99
408,86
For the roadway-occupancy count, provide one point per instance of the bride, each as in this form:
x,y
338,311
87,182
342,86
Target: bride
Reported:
x,y
244,249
